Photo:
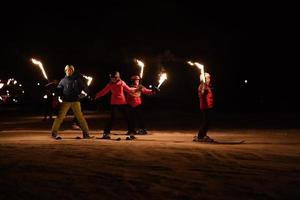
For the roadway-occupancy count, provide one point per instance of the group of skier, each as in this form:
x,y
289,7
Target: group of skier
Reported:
x,y
124,99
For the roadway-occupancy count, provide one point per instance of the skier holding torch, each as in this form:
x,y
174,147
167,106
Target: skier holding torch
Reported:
x,y
206,104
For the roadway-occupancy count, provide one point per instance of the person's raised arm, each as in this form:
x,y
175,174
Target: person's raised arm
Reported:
x,y
104,91
128,89
147,91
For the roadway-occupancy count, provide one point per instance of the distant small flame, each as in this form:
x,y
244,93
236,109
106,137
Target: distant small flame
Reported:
x,y
1,85
36,62
9,80
162,79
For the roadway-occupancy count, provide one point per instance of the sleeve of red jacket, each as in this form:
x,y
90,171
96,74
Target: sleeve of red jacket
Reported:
x,y
127,88
103,92
146,91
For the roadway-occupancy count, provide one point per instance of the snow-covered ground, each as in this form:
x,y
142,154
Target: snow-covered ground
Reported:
x,y
165,164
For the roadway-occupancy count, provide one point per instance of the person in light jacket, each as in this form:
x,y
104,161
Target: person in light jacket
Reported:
x,y
70,88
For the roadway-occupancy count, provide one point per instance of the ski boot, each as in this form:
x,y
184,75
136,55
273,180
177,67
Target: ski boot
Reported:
x,y
55,136
142,132
106,136
131,137
205,139
87,136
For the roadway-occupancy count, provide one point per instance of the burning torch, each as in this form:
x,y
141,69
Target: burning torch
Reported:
x,y
201,68
40,65
89,79
202,75
162,78
141,65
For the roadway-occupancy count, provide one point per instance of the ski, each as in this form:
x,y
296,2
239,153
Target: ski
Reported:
x,y
229,142
222,142
114,139
73,138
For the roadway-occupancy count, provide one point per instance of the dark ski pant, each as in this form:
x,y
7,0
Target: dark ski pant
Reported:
x,y
114,109
205,122
136,117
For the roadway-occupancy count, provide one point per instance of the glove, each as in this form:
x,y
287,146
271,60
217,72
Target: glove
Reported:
x,y
94,99
81,96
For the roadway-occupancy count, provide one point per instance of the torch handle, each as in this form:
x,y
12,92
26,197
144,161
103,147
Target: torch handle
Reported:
x,y
141,81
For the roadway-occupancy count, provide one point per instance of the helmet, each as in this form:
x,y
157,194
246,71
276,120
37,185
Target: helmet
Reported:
x,y
114,74
135,77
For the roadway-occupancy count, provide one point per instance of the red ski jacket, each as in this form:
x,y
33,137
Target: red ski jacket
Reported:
x,y
117,92
134,99
205,97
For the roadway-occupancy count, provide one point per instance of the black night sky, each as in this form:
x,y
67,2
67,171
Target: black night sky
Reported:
x,y
253,42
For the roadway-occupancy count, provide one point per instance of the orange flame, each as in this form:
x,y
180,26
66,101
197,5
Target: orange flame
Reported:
x,y
162,78
141,65
89,78
38,63
200,67
190,63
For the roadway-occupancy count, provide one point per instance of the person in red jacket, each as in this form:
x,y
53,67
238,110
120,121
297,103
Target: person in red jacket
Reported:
x,y
134,101
206,104
118,103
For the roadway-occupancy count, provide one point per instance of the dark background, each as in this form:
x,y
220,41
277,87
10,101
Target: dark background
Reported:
x,y
236,42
